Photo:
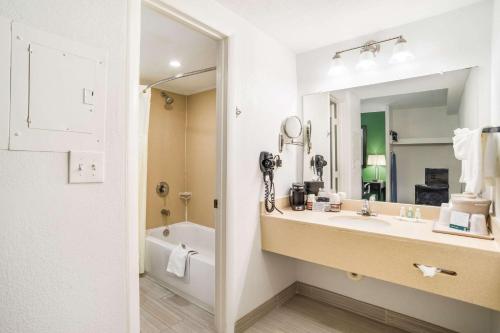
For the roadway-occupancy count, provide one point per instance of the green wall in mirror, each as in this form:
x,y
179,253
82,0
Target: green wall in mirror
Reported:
x,y
375,123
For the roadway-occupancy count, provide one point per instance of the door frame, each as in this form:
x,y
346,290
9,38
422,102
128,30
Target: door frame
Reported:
x,y
131,168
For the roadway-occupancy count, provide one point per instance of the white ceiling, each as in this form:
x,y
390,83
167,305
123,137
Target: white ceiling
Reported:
x,y
422,99
305,25
163,40
427,91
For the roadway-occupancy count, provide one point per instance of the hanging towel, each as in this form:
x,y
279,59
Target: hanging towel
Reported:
x,y
178,261
490,171
394,178
468,149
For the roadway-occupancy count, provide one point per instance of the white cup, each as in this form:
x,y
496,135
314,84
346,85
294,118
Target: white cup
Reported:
x,y
478,224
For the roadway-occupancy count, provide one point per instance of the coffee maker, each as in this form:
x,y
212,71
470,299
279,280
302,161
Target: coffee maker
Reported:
x,y
297,197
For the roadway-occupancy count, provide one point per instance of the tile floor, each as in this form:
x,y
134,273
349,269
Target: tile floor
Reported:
x,y
164,312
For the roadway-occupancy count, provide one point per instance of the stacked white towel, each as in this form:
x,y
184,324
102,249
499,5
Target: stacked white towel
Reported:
x,y
477,162
178,260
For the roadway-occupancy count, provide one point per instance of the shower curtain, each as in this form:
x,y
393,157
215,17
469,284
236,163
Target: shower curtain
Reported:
x,y
143,129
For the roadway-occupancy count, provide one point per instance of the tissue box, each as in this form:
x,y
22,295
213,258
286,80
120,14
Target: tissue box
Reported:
x,y
459,220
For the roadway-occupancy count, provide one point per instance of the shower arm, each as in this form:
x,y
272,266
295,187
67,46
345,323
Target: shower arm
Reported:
x,y
179,76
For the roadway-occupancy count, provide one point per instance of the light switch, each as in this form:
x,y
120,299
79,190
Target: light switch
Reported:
x,y
88,96
86,167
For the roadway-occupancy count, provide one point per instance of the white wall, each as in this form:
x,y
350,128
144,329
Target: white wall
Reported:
x,y
349,145
495,81
262,83
412,160
317,110
469,112
4,81
63,247
495,63
448,42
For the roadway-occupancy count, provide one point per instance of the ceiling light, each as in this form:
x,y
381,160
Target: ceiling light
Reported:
x,y
174,63
401,53
337,67
366,59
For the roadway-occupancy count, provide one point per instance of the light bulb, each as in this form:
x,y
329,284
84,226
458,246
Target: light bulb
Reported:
x,y
337,67
175,63
401,53
366,60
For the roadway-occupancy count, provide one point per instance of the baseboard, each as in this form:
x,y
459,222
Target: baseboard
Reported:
x,y
253,316
377,313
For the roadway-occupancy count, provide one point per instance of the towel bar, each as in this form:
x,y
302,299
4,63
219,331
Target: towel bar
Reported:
x,y
441,270
491,129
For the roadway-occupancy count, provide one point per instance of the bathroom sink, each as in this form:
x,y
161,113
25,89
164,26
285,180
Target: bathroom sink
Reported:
x,y
368,222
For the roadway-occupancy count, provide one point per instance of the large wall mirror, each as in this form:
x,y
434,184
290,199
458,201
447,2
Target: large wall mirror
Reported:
x,y
391,141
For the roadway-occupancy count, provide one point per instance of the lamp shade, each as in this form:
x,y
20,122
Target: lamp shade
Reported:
x,y
366,60
377,160
401,53
337,66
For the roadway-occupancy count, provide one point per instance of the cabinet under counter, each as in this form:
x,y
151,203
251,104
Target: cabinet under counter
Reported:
x,y
388,249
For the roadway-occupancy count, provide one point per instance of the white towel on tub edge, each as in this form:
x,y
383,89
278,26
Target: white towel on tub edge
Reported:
x,y
178,260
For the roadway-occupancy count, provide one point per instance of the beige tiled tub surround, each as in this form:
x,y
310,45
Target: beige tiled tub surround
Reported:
x,y
181,151
389,253
166,158
200,158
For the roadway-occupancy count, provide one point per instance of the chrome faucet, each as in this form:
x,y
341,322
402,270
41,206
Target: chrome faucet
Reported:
x,y
365,209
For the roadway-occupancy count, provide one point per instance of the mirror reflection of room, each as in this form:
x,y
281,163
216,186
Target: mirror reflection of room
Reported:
x,y
401,137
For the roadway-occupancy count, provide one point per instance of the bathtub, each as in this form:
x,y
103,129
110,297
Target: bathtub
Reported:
x,y
198,285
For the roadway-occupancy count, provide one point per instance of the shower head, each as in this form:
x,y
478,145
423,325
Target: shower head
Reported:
x,y
168,99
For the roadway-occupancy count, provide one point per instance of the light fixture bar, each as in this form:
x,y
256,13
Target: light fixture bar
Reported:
x,y
367,45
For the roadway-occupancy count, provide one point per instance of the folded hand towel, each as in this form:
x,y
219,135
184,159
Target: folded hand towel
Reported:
x,y
179,259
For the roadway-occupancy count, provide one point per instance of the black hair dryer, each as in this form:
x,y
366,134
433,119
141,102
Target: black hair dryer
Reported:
x,y
318,162
268,162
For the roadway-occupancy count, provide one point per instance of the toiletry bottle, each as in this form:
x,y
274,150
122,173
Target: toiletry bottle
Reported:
x,y
402,211
418,214
310,199
409,213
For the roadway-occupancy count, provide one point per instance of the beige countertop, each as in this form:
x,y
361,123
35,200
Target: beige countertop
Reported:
x,y
385,226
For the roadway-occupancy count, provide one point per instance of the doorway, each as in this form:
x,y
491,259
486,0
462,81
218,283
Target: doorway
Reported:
x,y
178,159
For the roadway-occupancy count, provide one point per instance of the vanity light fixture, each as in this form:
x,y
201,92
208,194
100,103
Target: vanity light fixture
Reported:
x,y
367,56
368,52
337,67
401,53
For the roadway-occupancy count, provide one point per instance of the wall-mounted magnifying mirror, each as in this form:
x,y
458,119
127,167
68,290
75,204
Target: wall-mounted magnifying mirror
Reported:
x,y
291,129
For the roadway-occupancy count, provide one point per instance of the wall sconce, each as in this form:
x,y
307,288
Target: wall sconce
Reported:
x,y
368,53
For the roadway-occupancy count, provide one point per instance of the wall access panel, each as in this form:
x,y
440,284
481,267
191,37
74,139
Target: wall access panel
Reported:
x,y
58,93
